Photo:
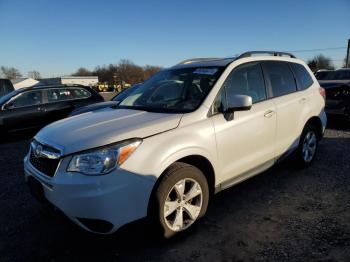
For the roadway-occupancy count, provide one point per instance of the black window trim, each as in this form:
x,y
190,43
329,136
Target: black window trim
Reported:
x,y
267,89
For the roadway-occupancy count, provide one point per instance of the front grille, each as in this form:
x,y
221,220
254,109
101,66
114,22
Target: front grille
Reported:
x,y
44,165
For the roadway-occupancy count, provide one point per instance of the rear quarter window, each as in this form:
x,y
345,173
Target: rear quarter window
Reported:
x,y
302,75
80,93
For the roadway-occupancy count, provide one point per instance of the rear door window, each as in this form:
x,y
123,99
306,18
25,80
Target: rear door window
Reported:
x,y
303,77
280,77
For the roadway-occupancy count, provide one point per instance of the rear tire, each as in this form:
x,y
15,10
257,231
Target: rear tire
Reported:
x,y
308,146
180,199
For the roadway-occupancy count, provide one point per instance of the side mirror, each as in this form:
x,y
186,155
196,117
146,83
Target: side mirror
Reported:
x,y
9,105
237,103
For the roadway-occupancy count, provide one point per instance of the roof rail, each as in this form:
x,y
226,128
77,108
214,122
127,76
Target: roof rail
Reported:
x,y
196,60
272,53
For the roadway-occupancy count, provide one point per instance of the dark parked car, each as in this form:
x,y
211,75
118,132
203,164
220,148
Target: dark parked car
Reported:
x,y
337,86
113,103
323,74
35,107
5,87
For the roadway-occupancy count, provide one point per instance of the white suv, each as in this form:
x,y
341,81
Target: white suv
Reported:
x,y
188,132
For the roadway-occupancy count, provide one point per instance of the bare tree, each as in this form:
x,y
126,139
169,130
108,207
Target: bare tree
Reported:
x,y
150,70
320,62
128,72
34,74
10,72
123,72
82,71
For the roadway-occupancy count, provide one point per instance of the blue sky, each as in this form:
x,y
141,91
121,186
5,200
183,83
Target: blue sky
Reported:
x,y
57,37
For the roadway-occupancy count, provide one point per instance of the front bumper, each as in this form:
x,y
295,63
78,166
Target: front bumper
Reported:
x,y
116,198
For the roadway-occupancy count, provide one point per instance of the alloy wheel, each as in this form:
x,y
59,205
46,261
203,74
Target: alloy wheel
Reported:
x,y
309,146
183,204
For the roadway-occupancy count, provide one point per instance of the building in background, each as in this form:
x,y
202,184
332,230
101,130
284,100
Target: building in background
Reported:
x,y
24,82
70,80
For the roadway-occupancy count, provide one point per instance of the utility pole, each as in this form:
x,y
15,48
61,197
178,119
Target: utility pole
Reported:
x,y
347,62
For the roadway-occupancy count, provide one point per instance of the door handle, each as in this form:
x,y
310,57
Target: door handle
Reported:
x,y
269,113
302,101
42,109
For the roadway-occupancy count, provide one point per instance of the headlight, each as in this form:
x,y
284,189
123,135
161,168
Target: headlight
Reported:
x,y
103,160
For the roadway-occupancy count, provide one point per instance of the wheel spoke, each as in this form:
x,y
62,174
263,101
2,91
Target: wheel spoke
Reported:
x,y
312,141
308,137
177,202
193,192
170,207
192,210
309,146
180,188
178,222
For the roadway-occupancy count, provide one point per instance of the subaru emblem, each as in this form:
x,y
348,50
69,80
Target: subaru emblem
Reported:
x,y
38,151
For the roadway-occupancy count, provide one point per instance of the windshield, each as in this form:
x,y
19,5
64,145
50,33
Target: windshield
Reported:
x,y
334,75
173,90
6,97
125,93
323,75
341,75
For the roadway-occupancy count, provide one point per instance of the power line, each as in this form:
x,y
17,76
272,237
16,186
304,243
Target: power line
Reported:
x,y
318,49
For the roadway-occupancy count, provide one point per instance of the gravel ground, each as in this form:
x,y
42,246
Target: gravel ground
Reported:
x,y
284,214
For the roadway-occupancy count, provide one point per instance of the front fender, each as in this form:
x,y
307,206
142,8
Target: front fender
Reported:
x,y
158,152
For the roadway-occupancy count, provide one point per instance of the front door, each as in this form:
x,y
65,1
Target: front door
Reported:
x,y
246,142
24,111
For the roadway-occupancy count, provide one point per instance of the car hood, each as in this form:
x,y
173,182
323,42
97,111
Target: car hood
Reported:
x,y
103,127
93,107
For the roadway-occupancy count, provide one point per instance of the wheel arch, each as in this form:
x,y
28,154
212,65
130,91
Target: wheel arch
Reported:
x,y
199,161
316,122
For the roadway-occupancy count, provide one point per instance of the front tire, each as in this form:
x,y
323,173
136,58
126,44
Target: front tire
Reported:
x,y
180,199
308,146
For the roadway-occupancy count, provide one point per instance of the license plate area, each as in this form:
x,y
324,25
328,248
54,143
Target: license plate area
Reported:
x,y
36,189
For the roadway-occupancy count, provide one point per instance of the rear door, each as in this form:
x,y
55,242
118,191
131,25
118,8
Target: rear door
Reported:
x,y
24,111
57,104
60,102
288,101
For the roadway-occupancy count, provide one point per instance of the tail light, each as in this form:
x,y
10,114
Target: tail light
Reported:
x,y
323,93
